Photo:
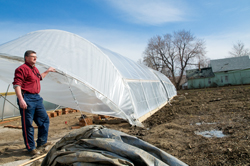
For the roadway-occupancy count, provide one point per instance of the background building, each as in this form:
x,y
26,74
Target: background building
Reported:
x,y
222,72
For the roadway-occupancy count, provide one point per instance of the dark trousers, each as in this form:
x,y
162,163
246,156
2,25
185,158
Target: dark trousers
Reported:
x,y
35,111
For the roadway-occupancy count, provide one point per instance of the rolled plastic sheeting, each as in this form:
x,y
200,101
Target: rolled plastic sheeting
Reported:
x,y
97,145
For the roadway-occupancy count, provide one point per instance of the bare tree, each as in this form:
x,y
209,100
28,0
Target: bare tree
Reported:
x,y
239,50
202,62
173,53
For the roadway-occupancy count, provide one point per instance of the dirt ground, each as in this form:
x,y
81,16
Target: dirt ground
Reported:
x,y
175,128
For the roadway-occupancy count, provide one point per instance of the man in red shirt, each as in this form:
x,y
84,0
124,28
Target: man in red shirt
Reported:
x,y
27,87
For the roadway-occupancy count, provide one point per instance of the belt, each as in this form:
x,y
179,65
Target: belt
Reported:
x,y
23,91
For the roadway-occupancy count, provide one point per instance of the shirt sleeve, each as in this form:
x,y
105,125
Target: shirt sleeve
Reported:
x,y
14,86
19,77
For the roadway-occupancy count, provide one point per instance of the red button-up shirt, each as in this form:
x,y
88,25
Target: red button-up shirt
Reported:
x,y
28,78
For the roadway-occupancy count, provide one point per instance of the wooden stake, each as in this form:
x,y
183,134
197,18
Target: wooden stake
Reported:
x,y
33,160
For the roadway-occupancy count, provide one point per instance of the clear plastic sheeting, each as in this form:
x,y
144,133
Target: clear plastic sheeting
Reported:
x,y
170,89
88,77
96,145
8,103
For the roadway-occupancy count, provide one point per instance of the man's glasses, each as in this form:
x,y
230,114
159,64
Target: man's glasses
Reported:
x,y
33,56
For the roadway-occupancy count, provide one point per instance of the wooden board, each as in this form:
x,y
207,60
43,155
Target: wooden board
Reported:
x,y
144,117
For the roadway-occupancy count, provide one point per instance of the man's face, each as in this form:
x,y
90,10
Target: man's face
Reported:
x,y
31,59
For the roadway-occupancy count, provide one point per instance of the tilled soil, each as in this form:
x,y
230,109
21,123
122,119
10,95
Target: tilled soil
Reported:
x,y
175,128
221,109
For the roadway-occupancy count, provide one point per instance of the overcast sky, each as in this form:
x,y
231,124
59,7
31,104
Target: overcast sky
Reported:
x,y
125,26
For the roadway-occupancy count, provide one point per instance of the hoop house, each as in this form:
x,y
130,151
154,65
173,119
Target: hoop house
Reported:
x,y
89,78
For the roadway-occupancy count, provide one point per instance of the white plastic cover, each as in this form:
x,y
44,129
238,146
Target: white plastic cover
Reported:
x,y
89,78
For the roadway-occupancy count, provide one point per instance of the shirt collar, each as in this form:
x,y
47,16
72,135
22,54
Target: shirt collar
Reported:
x,y
29,64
